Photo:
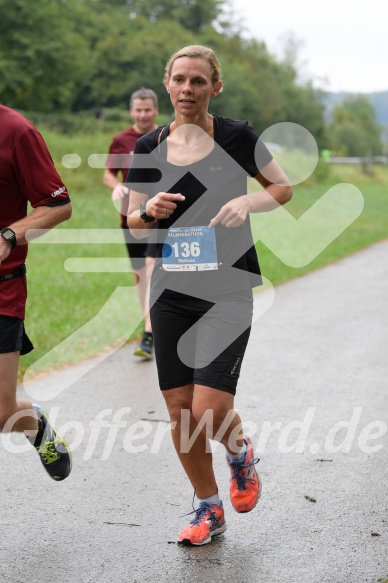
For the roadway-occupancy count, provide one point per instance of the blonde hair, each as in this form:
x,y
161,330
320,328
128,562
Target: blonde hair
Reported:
x,y
193,52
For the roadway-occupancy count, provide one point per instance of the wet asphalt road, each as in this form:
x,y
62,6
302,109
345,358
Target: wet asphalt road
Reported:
x,y
313,392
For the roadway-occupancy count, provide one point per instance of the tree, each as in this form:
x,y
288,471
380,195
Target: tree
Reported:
x,y
353,130
261,90
42,58
90,54
127,55
193,15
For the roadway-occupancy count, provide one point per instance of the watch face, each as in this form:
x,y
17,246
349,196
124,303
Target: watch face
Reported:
x,y
7,234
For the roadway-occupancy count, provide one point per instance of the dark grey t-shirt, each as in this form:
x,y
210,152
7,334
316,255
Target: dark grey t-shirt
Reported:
x,y
207,185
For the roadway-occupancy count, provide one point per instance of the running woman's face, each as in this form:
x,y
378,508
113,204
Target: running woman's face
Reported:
x,y
143,113
190,86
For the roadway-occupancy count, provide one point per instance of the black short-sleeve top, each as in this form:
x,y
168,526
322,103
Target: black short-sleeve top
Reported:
x,y
207,185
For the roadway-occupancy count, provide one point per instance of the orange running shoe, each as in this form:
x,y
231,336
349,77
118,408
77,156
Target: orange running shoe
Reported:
x,y
209,521
245,483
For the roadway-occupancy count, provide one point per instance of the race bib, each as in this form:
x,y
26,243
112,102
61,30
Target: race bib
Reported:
x,y
190,249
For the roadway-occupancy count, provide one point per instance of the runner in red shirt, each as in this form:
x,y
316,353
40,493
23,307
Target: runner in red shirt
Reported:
x,y
143,108
27,175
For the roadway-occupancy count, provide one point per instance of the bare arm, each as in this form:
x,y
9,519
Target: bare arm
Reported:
x,y
109,179
276,192
42,217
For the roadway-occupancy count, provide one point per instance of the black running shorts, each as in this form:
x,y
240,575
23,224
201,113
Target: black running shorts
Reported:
x,y
200,342
13,337
138,250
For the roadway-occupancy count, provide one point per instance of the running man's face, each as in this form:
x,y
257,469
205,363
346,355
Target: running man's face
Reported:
x,y
143,113
190,86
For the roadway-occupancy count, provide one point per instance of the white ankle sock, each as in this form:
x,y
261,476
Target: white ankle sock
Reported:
x,y
238,457
215,499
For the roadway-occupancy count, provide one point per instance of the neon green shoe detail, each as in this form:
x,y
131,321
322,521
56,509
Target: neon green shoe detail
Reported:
x,y
146,347
53,450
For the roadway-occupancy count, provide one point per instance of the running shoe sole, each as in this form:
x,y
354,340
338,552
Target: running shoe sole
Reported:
x,y
205,541
140,352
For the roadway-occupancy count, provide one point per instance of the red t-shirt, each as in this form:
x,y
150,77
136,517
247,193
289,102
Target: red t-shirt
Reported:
x,y
27,174
120,159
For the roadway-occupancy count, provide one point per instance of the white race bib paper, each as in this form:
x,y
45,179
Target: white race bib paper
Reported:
x,y
190,249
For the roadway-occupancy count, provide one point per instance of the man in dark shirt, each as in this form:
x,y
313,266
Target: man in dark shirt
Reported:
x,y
143,108
27,175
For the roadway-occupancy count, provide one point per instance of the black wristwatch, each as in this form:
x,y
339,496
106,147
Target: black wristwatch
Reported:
x,y
9,235
143,215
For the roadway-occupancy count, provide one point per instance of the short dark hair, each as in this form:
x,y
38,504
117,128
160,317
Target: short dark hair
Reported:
x,y
144,93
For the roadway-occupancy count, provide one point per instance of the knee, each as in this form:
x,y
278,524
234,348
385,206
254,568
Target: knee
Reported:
x,y
214,417
202,413
175,405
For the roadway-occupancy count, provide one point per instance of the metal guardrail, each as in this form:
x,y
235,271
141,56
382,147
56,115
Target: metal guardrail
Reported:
x,y
358,160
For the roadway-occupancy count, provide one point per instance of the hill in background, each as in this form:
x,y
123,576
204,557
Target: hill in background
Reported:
x,y
379,100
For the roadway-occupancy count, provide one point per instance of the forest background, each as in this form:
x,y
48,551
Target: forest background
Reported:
x,y
87,56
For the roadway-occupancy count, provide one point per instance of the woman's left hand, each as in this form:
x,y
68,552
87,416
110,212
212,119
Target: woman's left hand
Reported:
x,y
232,214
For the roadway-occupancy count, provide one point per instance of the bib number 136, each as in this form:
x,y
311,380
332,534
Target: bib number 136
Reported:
x,y
190,249
185,249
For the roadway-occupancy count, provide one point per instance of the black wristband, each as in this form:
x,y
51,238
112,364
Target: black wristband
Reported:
x,y
143,215
9,235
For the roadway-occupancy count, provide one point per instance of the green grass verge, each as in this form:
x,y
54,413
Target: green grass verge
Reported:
x,y
73,315
368,228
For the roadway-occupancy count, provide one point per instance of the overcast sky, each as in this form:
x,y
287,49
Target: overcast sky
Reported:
x,y
344,42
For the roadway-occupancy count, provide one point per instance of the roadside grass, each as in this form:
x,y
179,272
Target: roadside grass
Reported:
x,y
368,228
74,312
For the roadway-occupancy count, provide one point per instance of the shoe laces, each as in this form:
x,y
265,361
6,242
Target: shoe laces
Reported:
x,y
201,513
238,473
48,452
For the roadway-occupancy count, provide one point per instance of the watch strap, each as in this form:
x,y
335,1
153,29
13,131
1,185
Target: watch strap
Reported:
x,y
10,239
143,214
